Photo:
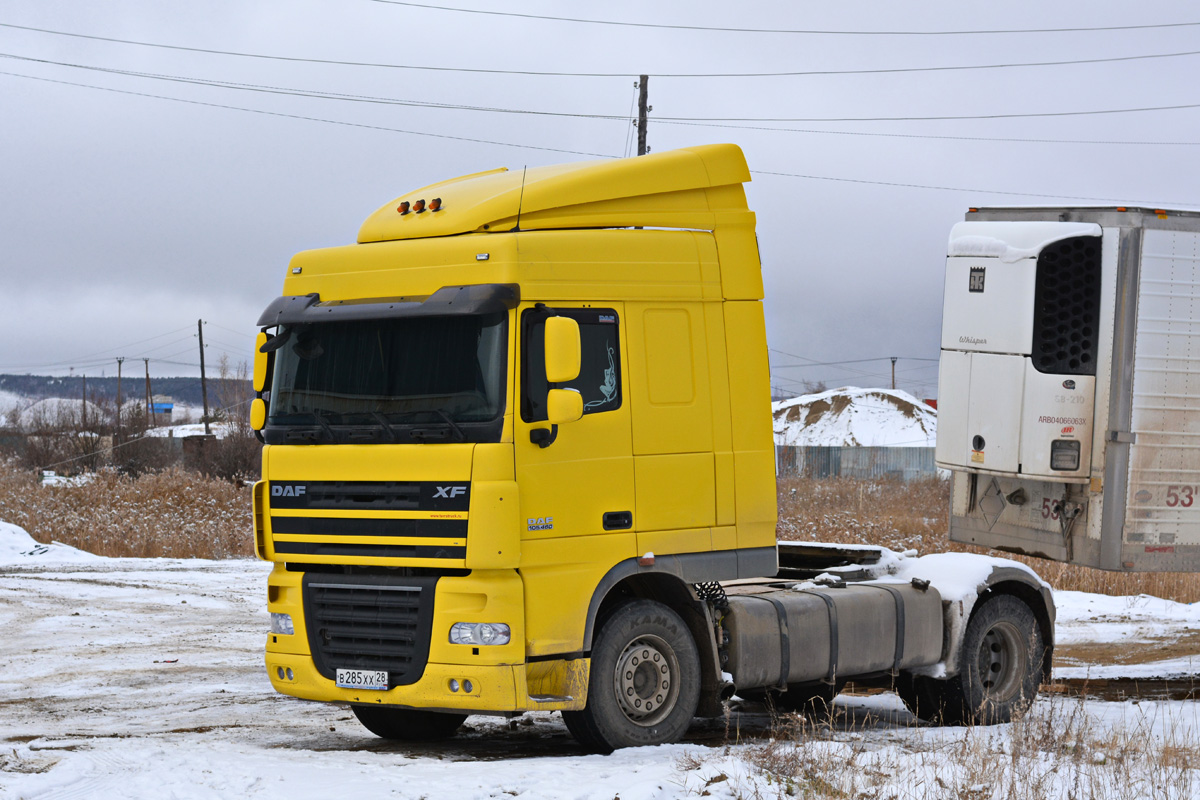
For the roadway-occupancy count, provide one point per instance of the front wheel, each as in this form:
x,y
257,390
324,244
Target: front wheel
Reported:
x,y
408,724
645,680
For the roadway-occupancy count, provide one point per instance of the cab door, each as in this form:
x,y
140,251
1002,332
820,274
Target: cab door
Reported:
x,y
580,483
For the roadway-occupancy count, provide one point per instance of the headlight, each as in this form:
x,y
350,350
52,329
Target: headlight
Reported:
x,y
282,623
477,633
1064,454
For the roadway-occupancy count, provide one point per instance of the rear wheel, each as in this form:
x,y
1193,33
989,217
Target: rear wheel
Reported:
x,y
645,680
1000,669
408,724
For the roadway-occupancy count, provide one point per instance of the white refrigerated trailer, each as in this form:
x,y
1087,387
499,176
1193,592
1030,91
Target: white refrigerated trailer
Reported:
x,y
1069,385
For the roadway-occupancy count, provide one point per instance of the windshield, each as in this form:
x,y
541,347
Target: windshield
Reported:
x,y
431,372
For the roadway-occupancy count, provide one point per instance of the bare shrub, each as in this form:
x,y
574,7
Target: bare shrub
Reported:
x,y
173,513
915,515
238,456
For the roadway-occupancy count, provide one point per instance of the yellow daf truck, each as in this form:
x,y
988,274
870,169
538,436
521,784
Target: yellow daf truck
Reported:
x,y
519,457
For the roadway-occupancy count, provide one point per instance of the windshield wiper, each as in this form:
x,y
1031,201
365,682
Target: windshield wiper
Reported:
x,y
325,426
451,428
387,426
462,437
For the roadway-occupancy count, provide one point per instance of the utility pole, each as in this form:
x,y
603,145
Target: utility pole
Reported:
x,y
203,382
149,397
83,408
893,373
643,110
120,360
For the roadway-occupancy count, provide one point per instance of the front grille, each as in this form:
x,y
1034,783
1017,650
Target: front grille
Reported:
x,y
370,622
372,495
369,550
1066,313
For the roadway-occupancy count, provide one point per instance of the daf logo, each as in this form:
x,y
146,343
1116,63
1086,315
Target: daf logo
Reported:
x,y
449,492
287,491
976,282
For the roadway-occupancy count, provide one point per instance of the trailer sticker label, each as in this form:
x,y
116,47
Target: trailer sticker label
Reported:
x,y
977,456
1143,496
976,281
1063,420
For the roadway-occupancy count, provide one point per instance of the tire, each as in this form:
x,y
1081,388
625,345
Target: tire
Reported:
x,y
408,724
645,680
1000,670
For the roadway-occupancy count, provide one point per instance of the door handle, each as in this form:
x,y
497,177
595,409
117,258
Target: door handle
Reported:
x,y
618,520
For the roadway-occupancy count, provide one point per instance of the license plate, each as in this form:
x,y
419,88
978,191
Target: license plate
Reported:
x,y
362,679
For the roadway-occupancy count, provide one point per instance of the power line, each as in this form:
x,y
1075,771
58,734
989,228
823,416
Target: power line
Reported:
x,y
603,155
701,121
1010,139
566,74
853,361
806,32
307,118
950,117
1156,203
90,356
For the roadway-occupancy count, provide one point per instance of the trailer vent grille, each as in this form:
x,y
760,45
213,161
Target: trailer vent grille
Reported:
x,y
1066,307
370,622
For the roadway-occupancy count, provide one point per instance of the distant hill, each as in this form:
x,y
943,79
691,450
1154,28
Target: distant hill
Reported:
x,y
183,390
851,416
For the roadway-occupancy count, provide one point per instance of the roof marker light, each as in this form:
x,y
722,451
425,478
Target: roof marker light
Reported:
x,y
403,207
435,204
1122,208
419,206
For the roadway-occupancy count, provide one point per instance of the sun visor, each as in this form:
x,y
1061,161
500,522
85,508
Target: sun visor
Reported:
x,y
484,298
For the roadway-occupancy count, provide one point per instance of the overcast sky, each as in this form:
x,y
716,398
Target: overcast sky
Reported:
x,y
125,218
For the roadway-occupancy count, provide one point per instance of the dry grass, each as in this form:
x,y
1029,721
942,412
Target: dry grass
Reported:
x,y
915,515
1058,750
172,514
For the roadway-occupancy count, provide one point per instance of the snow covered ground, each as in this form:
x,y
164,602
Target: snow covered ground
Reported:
x,y
143,678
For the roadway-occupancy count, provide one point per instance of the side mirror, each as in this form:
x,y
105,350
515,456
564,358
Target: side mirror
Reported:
x,y
260,362
258,414
562,350
563,406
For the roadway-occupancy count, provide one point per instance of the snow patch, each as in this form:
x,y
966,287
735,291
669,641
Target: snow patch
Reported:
x,y
18,547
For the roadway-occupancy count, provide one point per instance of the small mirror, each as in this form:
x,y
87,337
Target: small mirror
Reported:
x,y
258,414
563,406
260,362
562,350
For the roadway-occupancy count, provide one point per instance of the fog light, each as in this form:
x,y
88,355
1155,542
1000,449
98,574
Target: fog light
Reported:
x,y
453,685
291,675
282,623
467,687
477,633
1064,454
279,672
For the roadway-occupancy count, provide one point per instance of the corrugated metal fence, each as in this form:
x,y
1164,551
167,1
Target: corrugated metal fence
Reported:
x,y
899,463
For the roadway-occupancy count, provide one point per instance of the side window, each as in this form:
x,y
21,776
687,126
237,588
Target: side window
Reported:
x,y
599,378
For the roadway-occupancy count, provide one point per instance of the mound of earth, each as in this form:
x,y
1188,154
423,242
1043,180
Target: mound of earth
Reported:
x,y
851,416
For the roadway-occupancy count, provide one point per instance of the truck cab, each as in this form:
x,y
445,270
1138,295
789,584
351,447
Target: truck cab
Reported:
x,y
515,439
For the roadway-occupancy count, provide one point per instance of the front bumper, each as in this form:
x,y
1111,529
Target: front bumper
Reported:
x,y
501,682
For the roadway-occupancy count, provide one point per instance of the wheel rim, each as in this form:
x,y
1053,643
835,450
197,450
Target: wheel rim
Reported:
x,y
645,680
1003,653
